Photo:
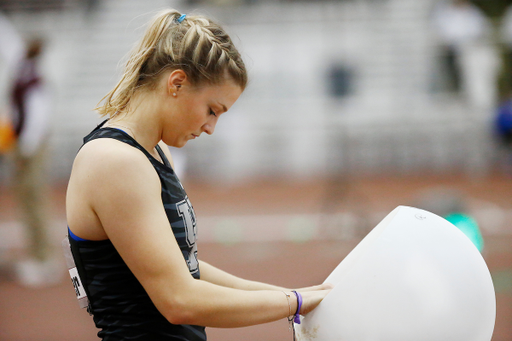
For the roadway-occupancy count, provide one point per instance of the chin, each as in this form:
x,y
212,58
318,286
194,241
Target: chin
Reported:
x,y
180,144
175,144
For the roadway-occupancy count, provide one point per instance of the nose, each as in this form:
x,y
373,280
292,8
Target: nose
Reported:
x,y
209,126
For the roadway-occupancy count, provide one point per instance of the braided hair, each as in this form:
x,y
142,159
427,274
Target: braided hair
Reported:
x,y
194,44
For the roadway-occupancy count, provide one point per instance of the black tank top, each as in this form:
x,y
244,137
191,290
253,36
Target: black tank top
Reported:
x,y
120,306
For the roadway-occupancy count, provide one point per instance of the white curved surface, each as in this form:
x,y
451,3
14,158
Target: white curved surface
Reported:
x,y
414,277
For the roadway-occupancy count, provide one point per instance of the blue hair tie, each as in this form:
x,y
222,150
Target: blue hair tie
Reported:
x,y
181,18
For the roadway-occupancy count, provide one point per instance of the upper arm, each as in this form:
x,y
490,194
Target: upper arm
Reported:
x,y
124,191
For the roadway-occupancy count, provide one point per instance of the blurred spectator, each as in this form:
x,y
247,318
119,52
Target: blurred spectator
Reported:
x,y
503,130
30,116
30,111
469,60
504,123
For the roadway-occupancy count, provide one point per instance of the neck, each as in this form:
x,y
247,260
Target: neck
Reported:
x,y
140,120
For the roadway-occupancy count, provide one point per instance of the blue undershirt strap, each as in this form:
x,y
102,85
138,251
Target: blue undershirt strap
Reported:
x,y
78,239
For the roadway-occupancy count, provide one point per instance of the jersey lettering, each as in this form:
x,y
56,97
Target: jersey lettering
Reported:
x,y
186,212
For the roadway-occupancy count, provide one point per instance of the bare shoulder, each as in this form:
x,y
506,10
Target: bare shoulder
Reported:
x,y
106,163
107,147
104,154
107,174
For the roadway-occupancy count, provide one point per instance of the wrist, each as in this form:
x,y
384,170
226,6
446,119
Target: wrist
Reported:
x,y
296,317
292,304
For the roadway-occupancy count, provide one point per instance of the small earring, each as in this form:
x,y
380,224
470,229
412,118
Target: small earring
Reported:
x,y
174,94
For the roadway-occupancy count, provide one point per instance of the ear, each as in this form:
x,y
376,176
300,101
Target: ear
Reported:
x,y
175,80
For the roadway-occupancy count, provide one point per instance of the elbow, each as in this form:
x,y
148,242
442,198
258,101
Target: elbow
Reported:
x,y
181,317
181,304
180,312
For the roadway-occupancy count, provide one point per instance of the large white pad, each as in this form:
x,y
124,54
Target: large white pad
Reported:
x,y
414,277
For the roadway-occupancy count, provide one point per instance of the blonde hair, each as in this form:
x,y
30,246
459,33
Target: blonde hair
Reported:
x,y
194,44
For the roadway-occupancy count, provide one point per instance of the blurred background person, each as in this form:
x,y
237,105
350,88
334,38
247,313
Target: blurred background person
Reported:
x,y
503,134
469,61
29,112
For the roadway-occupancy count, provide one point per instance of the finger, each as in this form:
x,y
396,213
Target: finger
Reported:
x,y
311,288
328,286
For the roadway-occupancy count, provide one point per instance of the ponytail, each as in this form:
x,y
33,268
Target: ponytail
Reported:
x,y
172,40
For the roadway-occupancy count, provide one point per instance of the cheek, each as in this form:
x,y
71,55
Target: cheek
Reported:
x,y
196,117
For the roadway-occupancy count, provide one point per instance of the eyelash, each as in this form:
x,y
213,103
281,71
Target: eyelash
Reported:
x,y
213,113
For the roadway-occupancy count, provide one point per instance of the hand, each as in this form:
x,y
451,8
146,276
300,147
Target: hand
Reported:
x,y
324,286
312,296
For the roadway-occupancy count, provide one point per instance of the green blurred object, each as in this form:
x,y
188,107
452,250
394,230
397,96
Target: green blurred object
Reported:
x,y
468,226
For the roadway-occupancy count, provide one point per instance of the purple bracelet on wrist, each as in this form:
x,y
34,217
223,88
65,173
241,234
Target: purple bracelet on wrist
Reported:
x,y
299,305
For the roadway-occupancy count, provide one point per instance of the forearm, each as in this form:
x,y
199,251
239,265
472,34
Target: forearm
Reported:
x,y
211,305
211,274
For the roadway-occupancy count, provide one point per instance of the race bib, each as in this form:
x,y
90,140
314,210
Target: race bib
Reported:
x,y
83,300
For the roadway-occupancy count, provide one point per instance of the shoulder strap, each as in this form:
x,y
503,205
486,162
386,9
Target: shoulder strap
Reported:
x,y
88,137
162,156
115,134
122,136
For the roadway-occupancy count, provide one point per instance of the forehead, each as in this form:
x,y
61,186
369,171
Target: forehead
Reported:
x,y
227,91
